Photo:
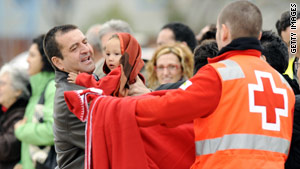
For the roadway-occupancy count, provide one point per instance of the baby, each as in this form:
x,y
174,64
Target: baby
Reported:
x,y
122,64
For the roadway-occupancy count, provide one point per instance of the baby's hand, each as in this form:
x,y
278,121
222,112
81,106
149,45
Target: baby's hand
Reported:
x,y
72,77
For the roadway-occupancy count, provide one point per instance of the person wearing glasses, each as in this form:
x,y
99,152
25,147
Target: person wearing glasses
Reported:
x,y
169,64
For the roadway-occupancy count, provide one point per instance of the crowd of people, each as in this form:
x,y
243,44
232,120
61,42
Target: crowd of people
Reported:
x,y
225,98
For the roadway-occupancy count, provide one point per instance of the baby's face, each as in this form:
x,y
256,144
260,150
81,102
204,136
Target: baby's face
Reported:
x,y
113,53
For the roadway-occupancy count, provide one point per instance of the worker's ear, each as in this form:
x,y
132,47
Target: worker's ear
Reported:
x,y
225,33
259,36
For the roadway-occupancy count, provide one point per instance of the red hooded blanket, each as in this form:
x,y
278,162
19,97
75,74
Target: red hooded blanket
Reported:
x,y
117,81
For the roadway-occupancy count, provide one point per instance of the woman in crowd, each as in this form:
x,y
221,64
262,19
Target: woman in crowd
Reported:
x,y
169,64
14,94
35,129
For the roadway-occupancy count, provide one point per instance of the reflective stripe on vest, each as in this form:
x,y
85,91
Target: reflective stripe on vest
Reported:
x,y
231,71
242,141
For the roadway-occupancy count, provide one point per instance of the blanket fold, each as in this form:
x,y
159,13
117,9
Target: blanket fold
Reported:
x,y
115,141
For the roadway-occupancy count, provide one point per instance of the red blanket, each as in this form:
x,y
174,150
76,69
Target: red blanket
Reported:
x,y
114,141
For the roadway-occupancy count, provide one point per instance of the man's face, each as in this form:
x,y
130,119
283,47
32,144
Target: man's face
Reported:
x,y
77,53
165,36
285,35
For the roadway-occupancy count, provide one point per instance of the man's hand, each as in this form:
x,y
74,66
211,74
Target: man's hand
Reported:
x,y
138,88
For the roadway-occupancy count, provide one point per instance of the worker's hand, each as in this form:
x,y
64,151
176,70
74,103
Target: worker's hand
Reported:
x,y
138,88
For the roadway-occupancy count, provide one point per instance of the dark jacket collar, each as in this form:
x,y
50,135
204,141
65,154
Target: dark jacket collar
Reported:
x,y
21,102
240,46
60,76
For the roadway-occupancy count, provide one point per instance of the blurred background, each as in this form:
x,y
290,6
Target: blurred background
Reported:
x,y
22,20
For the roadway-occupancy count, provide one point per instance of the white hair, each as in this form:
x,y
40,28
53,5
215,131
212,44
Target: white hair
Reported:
x,y
92,35
114,26
19,78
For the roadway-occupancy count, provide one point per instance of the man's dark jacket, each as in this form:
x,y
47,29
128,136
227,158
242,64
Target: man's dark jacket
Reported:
x,y
69,131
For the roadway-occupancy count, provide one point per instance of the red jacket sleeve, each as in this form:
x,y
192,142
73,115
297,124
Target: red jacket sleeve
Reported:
x,y
198,100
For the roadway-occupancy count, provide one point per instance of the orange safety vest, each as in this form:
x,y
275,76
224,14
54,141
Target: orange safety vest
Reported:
x,y
252,125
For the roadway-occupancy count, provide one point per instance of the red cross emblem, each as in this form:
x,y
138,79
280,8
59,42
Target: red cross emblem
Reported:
x,y
267,99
